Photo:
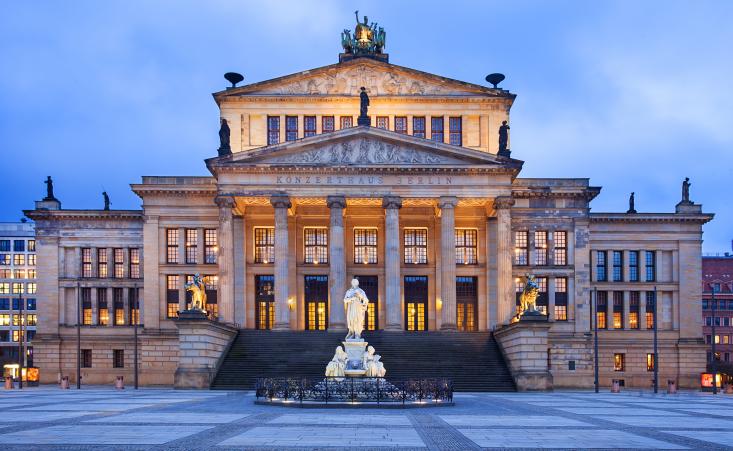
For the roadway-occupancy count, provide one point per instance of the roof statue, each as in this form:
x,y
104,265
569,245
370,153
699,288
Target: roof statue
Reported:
x,y
368,39
224,132
49,189
686,191
631,209
105,196
504,140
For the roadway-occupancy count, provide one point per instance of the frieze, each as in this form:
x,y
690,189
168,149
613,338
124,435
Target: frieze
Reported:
x,y
368,180
364,151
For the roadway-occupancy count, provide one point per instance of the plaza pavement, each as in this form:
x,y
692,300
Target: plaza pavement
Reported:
x,y
103,418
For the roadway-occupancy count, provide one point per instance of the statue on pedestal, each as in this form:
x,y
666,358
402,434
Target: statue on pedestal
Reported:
x,y
686,191
49,189
504,139
337,365
224,134
106,200
527,308
198,293
631,204
355,303
372,365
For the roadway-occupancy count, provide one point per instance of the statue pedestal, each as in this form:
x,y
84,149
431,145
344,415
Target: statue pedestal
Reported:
x,y
355,350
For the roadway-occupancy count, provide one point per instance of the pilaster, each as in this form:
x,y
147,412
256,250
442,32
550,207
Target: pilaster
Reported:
x,y
505,288
226,259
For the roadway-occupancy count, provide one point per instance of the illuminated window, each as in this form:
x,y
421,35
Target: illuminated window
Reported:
x,y
601,271
192,238
16,334
540,247
31,259
327,124
4,287
309,126
634,309
211,246
618,309
619,362
316,302
4,319
5,259
437,132
651,266
346,122
102,263
118,358
171,295
650,362
466,246
542,299
400,125
118,254
418,127
134,301
31,245
134,263
32,319
383,122
31,273
618,263
86,306
102,311
172,245
211,283
561,299
20,273
650,301
633,266
118,304
316,245
560,253
416,246
521,249
86,262
265,301
18,288
6,274
291,128
455,131
19,259
365,246
273,130
264,244
601,309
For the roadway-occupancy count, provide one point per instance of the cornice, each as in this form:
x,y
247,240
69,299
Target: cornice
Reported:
x,y
650,218
65,215
289,168
499,103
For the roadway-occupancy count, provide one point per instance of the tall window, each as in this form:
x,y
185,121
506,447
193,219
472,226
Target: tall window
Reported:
x,y
30,288
273,130
618,266
418,126
416,246
4,245
134,300
102,263
134,263
601,269
211,246
118,304
650,362
651,266
118,358
211,283
86,358
264,245
31,245
542,299
327,124
119,262
365,246
291,128
171,295
31,259
19,259
86,262
650,301
561,298
316,245
346,122
466,246
634,309
633,266
86,306
618,309
265,301
19,245
455,130
437,132
102,309
521,249
5,259
400,124
560,252
192,238
601,309
383,122
540,247
619,362
171,236
309,126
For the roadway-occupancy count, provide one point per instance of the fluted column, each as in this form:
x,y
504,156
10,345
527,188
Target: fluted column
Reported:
x,y
392,205
447,206
225,259
337,263
506,307
281,203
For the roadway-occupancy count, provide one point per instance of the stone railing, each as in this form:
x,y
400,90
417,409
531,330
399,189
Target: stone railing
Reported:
x,y
524,345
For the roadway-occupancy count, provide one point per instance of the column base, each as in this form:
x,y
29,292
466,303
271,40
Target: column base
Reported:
x,y
394,328
448,328
281,326
336,327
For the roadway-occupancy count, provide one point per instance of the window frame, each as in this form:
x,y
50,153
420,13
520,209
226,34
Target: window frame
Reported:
x,y
264,251
521,248
455,135
211,246
315,246
172,237
191,246
415,250
366,252
309,131
419,126
402,129
466,254
541,247
437,134
273,130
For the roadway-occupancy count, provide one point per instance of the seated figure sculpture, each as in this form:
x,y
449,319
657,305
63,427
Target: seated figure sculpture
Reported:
x,y
337,365
372,365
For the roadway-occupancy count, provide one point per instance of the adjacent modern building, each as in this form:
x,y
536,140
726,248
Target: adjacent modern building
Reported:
x,y
18,301
717,275
422,205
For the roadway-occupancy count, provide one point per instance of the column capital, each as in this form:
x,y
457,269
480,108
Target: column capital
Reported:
x,y
447,202
280,201
336,201
224,201
392,202
502,202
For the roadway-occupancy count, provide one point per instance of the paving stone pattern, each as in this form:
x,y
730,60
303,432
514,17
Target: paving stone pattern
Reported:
x,y
48,418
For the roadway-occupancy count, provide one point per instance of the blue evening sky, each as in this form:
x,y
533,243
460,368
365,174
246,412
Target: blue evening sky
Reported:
x,y
635,95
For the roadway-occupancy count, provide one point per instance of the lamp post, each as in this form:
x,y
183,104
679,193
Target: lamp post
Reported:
x,y
594,312
136,320
21,360
78,335
656,354
712,344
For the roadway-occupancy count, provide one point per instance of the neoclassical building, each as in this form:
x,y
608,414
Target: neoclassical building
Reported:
x,y
420,205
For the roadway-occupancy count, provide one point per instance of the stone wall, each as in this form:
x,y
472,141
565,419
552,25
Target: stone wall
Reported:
x,y
202,345
524,345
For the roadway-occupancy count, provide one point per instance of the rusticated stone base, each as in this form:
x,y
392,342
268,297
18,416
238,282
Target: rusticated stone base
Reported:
x,y
203,343
524,345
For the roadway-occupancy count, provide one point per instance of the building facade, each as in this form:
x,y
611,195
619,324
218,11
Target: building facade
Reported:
x,y
717,275
18,284
421,205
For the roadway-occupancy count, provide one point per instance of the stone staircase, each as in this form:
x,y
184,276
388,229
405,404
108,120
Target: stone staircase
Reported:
x,y
472,360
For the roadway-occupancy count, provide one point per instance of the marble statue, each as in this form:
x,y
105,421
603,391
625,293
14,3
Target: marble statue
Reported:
x,y
49,189
355,303
337,365
503,138
372,364
106,200
686,190
198,293
631,204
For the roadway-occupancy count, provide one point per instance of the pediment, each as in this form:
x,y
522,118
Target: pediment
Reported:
x,y
380,78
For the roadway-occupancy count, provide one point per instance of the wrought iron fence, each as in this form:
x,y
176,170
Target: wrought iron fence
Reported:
x,y
354,390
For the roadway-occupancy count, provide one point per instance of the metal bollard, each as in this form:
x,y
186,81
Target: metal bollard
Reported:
x,y
671,386
615,386
120,383
9,383
65,382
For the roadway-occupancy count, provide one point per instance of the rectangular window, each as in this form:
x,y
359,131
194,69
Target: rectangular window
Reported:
x,y
5,259
119,262
4,245
19,259
118,358
86,262
309,126
86,358
416,246
383,122
171,245
418,127
601,268
601,309
327,124
455,128
31,245
4,287
30,288
264,245
466,246
542,299
17,288
19,245
560,253
651,266
31,259
134,263
633,266
650,301
4,304
618,266
171,295
634,309
211,246
618,309
6,274
365,246
211,283
102,312
86,306
437,132
561,299
192,238
265,301
102,261
346,122
19,274
521,248
400,125
316,245
32,320
291,128
273,130
619,362
118,304
650,362
134,301
31,273
4,319
540,248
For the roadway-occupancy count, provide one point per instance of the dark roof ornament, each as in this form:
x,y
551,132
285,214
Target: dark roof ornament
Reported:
x,y
368,40
233,78
363,118
107,203
225,147
504,140
631,209
495,79
49,190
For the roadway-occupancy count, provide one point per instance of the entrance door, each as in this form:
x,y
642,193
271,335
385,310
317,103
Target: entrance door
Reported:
x,y
265,301
416,303
316,302
466,303
370,285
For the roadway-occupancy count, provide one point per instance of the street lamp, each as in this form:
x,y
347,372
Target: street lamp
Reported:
x,y
136,320
78,335
656,354
594,319
712,343
21,356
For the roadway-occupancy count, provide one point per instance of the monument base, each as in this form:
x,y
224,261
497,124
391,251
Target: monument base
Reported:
x,y
355,350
